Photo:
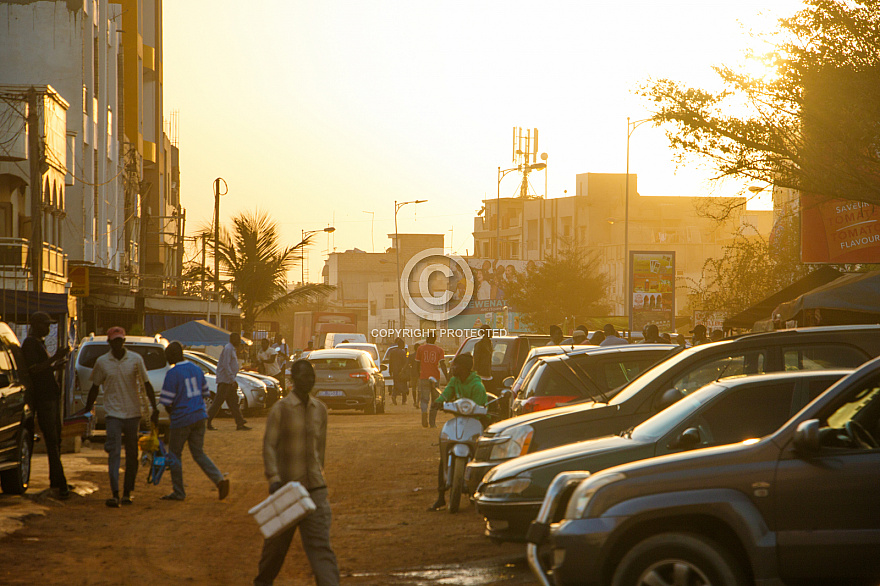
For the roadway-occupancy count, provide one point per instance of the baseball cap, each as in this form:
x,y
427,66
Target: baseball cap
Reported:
x,y
115,332
41,317
699,328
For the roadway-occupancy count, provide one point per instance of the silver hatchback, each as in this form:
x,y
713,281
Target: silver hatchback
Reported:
x,y
348,379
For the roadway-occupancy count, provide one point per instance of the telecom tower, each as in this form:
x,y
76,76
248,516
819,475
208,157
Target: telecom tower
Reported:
x,y
525,147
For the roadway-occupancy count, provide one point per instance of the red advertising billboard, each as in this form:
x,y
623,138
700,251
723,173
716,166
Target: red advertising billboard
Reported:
x,y
652,290
838,231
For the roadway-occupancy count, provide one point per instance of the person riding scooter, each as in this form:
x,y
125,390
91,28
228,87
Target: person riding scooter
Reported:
x,y
464,384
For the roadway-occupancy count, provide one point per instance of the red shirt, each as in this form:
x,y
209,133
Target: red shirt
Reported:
x,y
429,356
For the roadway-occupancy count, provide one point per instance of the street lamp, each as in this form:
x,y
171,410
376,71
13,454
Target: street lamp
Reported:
x,y
525,169
630,128
306,234
400,313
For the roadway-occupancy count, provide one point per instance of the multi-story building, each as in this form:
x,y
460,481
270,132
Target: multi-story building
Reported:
x,y
596,218
121,221
33,192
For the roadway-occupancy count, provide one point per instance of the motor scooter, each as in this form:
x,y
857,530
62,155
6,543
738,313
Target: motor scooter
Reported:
x,y
458,441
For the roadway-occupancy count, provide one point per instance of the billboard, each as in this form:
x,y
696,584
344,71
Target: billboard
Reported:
x,y
492,280
652,290
839,231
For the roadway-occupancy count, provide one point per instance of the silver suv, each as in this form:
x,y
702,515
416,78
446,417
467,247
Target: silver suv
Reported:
x,y
151,349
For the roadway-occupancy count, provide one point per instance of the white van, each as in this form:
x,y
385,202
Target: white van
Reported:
x,y
333,338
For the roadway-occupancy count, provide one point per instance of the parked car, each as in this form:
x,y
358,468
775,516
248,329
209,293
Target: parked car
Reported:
x,y
798,506
586,372
151,349
657,388
509,353
16,417
533,356
348,379
333,339
727,411
251,390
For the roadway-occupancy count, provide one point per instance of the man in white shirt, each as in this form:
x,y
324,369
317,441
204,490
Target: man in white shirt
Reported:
x,y
612,338
227,387
122,374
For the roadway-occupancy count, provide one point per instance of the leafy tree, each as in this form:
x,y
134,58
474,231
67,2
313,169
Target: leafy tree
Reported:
x,y
813,125
750,269
568,286
253,268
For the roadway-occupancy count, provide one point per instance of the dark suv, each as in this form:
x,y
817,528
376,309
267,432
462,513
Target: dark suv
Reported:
x,y
800,505
16,418
509,353
659,387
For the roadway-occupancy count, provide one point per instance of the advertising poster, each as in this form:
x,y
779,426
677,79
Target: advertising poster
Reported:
x,y
839,231
652,290
489,305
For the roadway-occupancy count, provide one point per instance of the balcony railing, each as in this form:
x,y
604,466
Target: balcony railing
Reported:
x,y
14,257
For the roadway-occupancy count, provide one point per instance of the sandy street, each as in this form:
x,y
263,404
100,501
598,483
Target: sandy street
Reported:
x,y
381,472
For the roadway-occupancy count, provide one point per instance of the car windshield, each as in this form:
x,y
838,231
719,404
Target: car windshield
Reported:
x,y
665,421
154,356
647,377
334,363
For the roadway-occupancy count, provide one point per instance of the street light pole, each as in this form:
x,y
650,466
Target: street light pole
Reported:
x,y
217,195
630,128
306,234
401,314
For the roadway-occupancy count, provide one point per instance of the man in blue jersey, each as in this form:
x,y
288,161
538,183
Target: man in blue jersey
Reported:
x,y
183,394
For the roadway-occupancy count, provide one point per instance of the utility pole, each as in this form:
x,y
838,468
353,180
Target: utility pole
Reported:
x,y
217,195
36,189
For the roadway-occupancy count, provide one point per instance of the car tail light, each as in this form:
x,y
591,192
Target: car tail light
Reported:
x,y
362,375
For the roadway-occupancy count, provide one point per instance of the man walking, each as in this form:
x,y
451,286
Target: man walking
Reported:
x,y
413,371
429,356
397,368
282,355
44,395
122,374
183,394
227,369
699,337
293,450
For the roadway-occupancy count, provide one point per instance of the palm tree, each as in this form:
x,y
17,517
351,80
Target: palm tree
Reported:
x,y
253,268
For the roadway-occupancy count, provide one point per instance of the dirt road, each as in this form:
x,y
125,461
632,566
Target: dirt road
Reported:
x,y
381,471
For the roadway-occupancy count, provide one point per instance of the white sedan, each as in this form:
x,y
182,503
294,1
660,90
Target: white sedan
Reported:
x,y
251,392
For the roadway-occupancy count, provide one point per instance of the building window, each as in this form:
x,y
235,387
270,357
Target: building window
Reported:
x,y
372,308
389,301
6,220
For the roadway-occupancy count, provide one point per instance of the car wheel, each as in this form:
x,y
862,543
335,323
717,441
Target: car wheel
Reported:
x,y
380,408
370,409
678,558
15,480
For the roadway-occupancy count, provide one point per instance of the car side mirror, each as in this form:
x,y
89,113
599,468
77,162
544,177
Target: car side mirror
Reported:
x,y
669,398
508,382
689,438
806,437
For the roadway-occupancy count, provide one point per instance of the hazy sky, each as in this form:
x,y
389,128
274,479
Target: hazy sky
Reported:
x,y
318,112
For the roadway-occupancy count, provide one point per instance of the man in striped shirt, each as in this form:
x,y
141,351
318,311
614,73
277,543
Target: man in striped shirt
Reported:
x,y
183,394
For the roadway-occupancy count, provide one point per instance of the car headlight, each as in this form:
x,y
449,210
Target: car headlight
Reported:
x,y
510,487
517,444
580,499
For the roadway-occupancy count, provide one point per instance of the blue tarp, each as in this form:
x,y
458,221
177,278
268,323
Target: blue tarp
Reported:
x,y
197,333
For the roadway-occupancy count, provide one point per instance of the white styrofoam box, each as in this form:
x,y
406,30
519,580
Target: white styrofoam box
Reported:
x,y
283,508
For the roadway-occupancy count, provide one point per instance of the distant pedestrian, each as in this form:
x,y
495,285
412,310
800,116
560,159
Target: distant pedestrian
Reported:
x,y
430,357
123,377
227,387
666,338
293,450
597,338
716,336
183,395
578,337
44,395
398,368
612,338
414,375
282,356
699,335
267,358
483,355
556,336
681,340
652,334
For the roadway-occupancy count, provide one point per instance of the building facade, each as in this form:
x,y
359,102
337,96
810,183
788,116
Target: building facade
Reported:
x,y
596,219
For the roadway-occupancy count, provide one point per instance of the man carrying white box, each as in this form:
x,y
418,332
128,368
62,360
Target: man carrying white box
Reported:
x,y
293,450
